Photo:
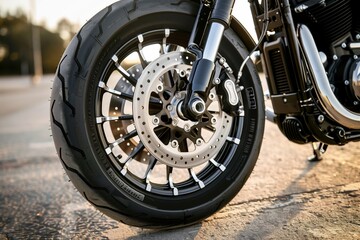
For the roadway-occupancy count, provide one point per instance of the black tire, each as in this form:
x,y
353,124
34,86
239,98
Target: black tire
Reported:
x,y
81,136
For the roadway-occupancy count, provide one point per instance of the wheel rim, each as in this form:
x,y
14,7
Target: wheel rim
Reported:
x,y
144,135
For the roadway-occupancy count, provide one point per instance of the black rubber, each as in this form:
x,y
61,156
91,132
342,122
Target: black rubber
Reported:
x,y
74,127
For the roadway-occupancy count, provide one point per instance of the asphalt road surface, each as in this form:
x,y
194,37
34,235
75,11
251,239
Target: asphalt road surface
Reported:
x,y
286,197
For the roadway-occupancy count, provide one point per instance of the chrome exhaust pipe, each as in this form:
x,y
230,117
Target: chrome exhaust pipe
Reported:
x,y
326,96
270,115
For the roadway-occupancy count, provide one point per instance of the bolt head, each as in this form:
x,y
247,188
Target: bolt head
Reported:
x,y
169,107
160,88
213,120
155,121
174,144
217,81
321,118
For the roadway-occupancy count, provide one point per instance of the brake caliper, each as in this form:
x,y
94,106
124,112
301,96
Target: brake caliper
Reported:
x,y
226,88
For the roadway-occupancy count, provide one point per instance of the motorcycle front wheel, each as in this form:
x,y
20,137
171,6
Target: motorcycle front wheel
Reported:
x,y
117,126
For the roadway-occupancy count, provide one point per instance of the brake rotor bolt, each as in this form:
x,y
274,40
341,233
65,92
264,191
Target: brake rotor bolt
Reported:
x,y
211,96
155,121
343,45
199,141
187,128
355,57
160,88
335,57
174,144
346,82
356,103
213,121
182,73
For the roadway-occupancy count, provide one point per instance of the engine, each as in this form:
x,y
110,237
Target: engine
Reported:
x,y
335,25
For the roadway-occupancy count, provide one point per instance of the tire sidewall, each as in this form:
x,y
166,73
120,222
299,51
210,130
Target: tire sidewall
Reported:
x,y
94,52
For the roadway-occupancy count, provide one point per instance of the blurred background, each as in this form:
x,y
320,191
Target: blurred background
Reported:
x,y
34,33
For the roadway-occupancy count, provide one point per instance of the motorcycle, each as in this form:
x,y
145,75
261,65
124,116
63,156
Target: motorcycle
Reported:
x,y
157,110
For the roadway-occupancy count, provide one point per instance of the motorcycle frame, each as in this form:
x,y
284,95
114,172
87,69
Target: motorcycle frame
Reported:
x,y
219,13
285,38
299,97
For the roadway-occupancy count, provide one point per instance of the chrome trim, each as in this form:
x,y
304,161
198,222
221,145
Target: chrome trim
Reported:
x,y
270,115
326,96
354,45
213,41
356,81
230,88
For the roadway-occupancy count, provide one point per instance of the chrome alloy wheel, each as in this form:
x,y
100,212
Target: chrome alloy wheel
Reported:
x,y
139,120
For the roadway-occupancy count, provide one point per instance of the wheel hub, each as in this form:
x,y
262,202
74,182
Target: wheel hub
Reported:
x,y
166,134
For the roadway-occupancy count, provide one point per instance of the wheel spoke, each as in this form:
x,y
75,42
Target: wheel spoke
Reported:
x,y
100,120
163,46
169,172
131,134
233,140
150,168
139,148
125,74
218,165
196,179
115,92
143,61
125,96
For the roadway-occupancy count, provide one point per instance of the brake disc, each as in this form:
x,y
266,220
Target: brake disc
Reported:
x,y
165,133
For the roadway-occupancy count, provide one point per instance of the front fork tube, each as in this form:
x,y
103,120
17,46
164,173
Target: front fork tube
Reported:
x,y
203,67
